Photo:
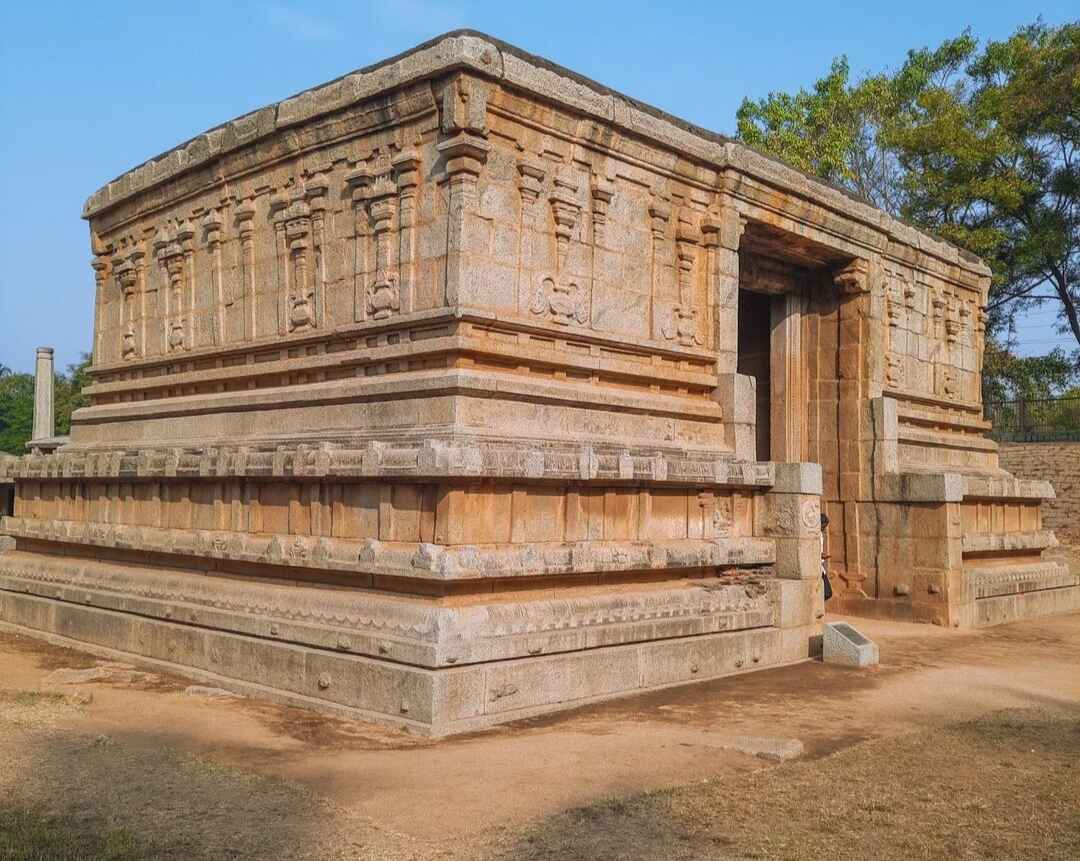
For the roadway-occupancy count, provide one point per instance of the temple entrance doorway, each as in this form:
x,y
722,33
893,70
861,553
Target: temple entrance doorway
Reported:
x,y
754,360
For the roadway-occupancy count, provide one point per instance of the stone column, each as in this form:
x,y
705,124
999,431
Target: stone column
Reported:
x,y
855,433
465,156
787,392
44,419
736,393
790,514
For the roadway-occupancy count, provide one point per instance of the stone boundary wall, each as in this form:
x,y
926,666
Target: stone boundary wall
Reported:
x,y
1058,463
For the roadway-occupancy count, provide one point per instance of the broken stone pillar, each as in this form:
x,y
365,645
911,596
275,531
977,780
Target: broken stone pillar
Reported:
x,y
44,416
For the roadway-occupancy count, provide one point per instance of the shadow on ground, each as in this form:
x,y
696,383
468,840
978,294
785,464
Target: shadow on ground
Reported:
x,y
1006,785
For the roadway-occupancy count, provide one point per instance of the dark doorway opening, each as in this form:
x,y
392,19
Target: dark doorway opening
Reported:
x,y
755,348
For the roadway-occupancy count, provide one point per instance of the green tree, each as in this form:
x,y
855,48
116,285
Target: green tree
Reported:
x,y
831,131
987,145
16,410
17,403
976,145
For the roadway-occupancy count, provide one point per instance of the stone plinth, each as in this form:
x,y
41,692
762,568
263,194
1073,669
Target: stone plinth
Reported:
x,y
462,389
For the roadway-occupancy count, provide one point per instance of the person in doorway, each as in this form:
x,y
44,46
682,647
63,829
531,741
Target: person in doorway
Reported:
x,y
825,558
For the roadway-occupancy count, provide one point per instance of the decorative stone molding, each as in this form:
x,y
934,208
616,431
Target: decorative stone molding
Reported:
x,y
430,460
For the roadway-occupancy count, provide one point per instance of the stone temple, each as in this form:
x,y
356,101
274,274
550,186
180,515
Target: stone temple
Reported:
x,y
463,388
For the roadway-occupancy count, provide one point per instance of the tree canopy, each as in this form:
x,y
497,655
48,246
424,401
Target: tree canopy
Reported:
x,y
17,404
974,143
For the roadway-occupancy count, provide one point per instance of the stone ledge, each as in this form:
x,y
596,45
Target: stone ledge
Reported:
x,y
916,486
1005,541
421,384
1000,609
432,459
413,560
992,582
405,629
430,702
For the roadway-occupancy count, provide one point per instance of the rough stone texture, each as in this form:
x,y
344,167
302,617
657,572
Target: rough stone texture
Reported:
x,y
44,438
843,644
765,747
44,419
1058,463
463,388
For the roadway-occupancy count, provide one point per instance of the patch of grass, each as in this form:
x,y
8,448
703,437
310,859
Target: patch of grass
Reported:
x,y
1004,786
26,835
31,698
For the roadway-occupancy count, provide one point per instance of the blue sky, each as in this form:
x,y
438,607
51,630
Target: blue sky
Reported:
x,y
91,89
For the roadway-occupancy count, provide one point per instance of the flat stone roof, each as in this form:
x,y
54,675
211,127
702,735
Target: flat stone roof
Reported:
x,y
507,64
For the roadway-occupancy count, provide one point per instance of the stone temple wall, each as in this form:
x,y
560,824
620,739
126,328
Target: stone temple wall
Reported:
x,y
423,396
1056,462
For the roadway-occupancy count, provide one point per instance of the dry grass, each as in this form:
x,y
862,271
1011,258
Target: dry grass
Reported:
x,y
1004,786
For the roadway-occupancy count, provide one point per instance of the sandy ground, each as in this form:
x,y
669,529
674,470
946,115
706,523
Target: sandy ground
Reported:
x,y
256,780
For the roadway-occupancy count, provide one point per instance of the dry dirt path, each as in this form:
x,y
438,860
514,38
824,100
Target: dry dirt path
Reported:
x,y
144,754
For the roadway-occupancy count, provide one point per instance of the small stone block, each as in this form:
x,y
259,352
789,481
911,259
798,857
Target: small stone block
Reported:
x,y
842,644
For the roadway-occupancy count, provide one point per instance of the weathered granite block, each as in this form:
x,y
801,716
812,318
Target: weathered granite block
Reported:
x,y
843,644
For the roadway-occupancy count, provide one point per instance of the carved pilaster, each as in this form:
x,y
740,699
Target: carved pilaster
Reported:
x,y
299,271
407,173
316,188
100,264
682,325
465,155
212,235
185,237
659,215
531,175
383,297
245,229
558,297
721,234
358,181
127,274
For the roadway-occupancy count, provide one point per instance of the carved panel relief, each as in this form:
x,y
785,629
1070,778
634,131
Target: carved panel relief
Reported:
x,y
559,296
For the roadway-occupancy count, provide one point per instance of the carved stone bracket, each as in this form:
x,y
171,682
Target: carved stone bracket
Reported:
x,y
463,105
531,175
853,278
602,190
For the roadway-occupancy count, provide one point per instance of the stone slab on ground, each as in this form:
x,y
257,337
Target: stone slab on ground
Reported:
x,y
843,644
771,748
